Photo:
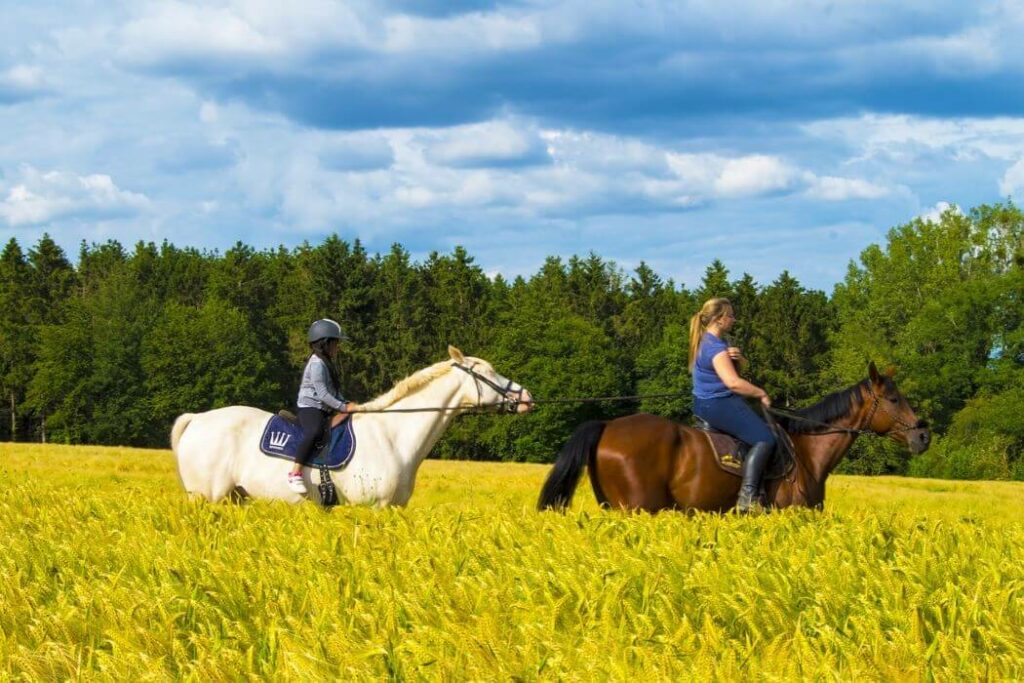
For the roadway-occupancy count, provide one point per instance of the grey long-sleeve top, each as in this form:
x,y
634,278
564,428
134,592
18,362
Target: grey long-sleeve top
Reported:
x,y
315,390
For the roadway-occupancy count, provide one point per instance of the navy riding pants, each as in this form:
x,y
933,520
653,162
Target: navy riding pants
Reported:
x,y
312,421
732,415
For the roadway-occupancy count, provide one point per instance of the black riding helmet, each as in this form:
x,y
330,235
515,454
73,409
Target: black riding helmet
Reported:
x,y
325,329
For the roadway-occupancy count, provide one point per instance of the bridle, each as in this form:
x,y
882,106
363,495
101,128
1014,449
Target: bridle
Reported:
x,y
876,403
897,420
508,403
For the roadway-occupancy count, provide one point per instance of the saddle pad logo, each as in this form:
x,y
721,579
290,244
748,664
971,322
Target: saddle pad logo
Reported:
x,y
281,439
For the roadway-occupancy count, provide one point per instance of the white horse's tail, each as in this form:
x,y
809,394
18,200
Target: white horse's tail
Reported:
x,y
179,428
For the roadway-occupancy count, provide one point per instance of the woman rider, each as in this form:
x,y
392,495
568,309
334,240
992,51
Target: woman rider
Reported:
x,y
318,394
717,388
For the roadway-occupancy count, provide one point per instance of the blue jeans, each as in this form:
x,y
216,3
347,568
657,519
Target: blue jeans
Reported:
x,y
732,415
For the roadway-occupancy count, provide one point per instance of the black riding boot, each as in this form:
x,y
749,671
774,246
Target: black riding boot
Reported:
x,y
753,467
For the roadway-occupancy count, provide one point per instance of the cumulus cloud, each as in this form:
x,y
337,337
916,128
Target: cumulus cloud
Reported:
x,y
486,171
356,152
832,188
402,67
186,155
178,32
1012,182
42,196
494,143
934,214
904,137
21,82
753,175
412,121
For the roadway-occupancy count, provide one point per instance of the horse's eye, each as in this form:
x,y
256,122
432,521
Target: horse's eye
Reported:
x,y
894,400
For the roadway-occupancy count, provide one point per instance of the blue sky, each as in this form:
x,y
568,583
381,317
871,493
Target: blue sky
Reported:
x,y
773,135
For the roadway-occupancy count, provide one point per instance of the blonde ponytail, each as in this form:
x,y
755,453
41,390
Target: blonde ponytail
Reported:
x,y
712,310
696,330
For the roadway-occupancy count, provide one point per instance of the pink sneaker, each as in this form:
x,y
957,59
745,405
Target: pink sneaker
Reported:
x,y
296,484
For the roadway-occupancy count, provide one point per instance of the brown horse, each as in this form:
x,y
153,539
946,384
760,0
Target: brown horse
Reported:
x,y
646,462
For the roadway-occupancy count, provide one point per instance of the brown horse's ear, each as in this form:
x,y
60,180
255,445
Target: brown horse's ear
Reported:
x,y
455,354
890,371
873,373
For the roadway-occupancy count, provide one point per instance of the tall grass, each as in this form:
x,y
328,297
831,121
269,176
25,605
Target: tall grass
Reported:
x,y
108,572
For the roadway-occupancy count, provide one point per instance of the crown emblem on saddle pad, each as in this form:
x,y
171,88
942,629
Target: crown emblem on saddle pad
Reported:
x,y
279,439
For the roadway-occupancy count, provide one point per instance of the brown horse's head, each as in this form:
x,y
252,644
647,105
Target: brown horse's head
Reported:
x,y
890,415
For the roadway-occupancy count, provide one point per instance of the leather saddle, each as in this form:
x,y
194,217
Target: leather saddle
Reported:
x,y
730,451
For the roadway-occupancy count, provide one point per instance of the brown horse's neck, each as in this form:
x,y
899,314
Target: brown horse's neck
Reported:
x,y
817,455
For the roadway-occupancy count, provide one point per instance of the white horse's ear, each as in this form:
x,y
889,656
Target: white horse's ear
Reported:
x,y
456,354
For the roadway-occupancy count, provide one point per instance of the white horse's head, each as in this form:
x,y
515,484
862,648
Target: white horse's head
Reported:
x,y
482,386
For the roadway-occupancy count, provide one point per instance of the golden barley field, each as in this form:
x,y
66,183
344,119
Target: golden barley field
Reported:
x,y
109,573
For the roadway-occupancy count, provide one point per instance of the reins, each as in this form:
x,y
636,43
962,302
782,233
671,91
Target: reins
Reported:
x,y
830,429
510,405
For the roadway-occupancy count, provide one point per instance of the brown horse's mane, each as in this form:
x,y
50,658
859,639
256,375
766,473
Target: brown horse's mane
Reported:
x,y
834,406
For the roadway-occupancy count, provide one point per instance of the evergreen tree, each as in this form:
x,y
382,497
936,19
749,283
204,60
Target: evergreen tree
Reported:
x,y
715,283
51,280
17,345
457,293
745,302
88,377
200,359
399,343
788,348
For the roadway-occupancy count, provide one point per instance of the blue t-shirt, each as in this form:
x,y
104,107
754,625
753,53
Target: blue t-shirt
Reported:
x,y
706,382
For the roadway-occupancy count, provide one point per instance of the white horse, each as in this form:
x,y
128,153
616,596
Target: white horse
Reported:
x,y
218,451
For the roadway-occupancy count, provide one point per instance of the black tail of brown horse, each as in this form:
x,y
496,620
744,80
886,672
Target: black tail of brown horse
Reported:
x,y
577,452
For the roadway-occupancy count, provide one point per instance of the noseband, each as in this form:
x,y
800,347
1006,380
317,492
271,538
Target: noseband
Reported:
x,y
508,404
876,403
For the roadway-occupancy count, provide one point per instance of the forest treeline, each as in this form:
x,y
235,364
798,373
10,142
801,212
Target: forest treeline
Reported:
x,y
110,348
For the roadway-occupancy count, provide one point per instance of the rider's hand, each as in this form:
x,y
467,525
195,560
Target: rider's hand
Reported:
x,y
734,352
343,414
766,401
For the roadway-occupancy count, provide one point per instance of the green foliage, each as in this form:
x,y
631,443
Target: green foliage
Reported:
x,y
555,353
111,349
17,343
941,301
788,346
205,358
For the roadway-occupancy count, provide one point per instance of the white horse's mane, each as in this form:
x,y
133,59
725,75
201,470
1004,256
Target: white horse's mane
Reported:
x,y
412,383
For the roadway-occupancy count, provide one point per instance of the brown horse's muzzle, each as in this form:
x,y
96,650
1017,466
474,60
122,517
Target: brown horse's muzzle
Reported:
x,y
920,438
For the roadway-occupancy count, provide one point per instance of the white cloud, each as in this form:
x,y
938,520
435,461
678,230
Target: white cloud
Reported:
x,y
175,30
753,175
1012,182
208,112
355,152
21,81
23,76
905,138
399,178
42,196
493,143
277,35
833,189
934,214
477,31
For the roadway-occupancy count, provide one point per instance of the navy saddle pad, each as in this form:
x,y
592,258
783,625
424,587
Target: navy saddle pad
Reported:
x,y
281,438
